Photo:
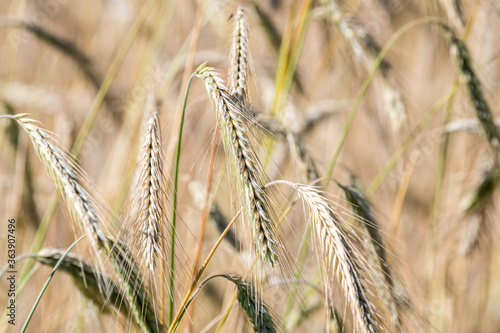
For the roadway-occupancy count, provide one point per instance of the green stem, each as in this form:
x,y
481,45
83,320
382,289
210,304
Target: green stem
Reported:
x,y
174,207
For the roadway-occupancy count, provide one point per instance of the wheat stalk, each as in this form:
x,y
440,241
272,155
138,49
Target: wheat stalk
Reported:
x,y
239,63
477,205
377,254
87,278
135,292
69,182
255,309
150,195
474,89
237,142
338,254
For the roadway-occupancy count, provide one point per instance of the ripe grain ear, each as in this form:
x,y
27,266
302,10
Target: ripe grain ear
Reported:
x,y
238,144
239,61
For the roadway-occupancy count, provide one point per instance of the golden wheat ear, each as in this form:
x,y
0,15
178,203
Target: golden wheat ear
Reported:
x,y
376,251
238,144
84,209
239,61
478,203
132,281
256,311
148,220
338,256
88,280
474,89
68,180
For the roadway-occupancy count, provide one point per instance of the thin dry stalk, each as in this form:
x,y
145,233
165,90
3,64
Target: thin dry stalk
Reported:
x,y
239,63
237,141
339,256
149,224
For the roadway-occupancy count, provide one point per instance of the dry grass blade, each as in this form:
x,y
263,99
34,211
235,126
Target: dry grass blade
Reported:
x,y
237,141
239,62
149,222
255,309
339,256
474,89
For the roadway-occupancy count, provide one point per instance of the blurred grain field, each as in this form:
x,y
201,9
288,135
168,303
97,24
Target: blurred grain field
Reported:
x,y
415,148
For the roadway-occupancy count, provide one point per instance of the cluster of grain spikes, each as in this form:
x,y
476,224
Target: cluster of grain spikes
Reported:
x,y
339,257
83,209
237,143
